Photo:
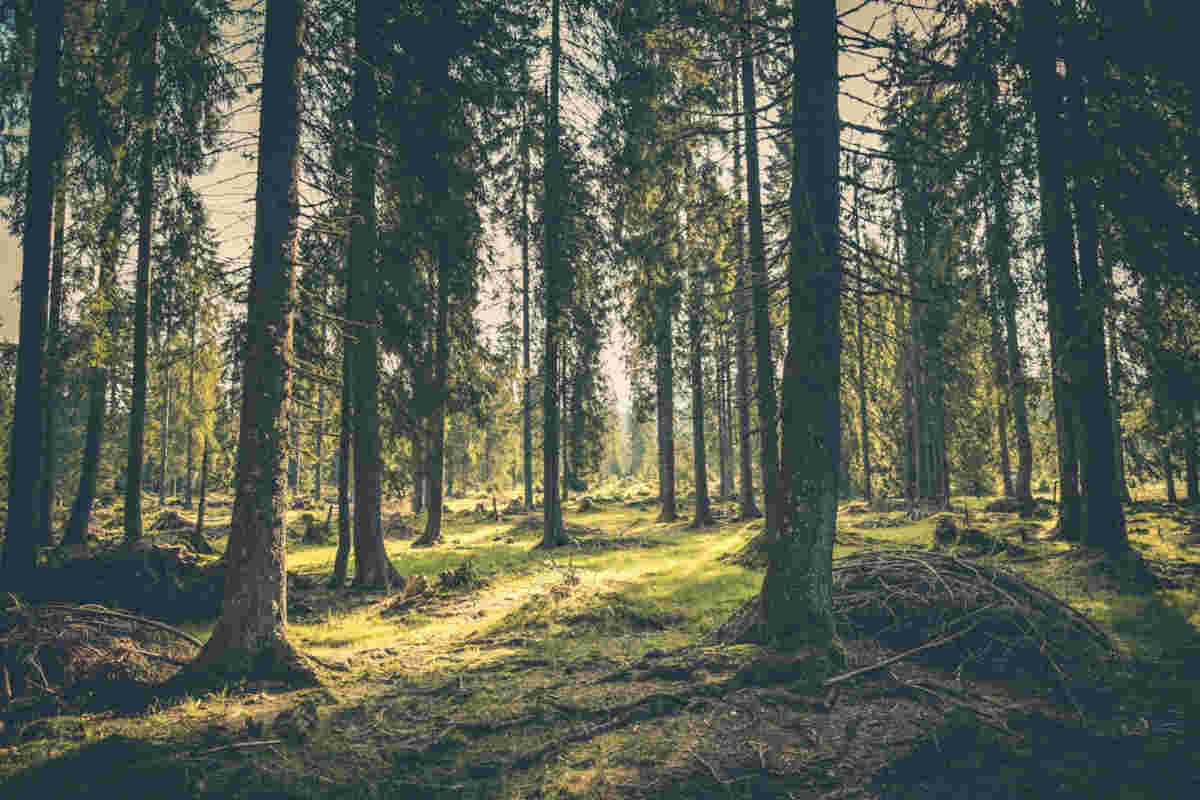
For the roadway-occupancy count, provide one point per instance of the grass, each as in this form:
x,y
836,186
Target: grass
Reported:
x,y
583,672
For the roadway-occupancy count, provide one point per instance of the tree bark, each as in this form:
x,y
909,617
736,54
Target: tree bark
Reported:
x,y
860,346
1104,516
527,377
1000,372
251,635
767,405
319,441
665,390
371,565
797,592
202,506
53,362
1169,473
19,560
1191,473
341,559
437,424
556,283
703,516
1062,288
191,426
165,432
137,413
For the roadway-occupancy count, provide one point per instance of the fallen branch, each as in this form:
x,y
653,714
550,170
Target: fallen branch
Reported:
x,y
238,746
938,642
101,611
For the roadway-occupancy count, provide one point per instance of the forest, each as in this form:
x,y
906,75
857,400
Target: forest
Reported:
x,y
600,399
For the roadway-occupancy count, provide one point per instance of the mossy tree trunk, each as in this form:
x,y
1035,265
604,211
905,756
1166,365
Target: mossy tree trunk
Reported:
x,y
251,635
797,590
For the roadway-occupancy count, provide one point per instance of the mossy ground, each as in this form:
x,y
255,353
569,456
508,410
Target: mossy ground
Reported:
x,y
588,672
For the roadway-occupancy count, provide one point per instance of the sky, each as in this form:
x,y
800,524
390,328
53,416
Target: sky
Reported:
x,y
229,194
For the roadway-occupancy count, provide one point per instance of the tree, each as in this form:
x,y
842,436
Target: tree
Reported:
x,y
742,321
148,73
19,559
556,281
251,634
797,590
764,365
372,568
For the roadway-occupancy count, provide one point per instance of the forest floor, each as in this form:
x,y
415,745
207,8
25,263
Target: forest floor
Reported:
x,y
592,671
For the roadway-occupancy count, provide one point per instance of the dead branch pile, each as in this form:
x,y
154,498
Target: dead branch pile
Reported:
x,y
906,597
66,651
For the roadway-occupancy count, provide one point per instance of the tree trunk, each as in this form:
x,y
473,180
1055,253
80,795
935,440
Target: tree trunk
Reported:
x,y
556,281
137,413
251,635
1000,372
1062,288
165,432
53,362
1189,453
341,559
797,592
437,424
371,565
418,468
767,406
202,506
747,509
1104,516
724,418
19,560
703,516
191,426
527,377
665,390
860,346
319,441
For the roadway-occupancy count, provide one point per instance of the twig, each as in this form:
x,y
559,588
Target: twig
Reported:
x,y
239,746
941,640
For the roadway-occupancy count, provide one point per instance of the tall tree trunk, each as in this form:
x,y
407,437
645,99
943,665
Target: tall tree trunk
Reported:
x,y
860,347
341,559
747,509
724,422
1062,288
767,404
319,441
556,282
137,412
437,423
418,468
19,559
1169,473
191,426
1000,372
797,592
1191,473
251,635
165,432
703,516
527,376
53,361
371,565
1122,485
1104,516
201,507
665,391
